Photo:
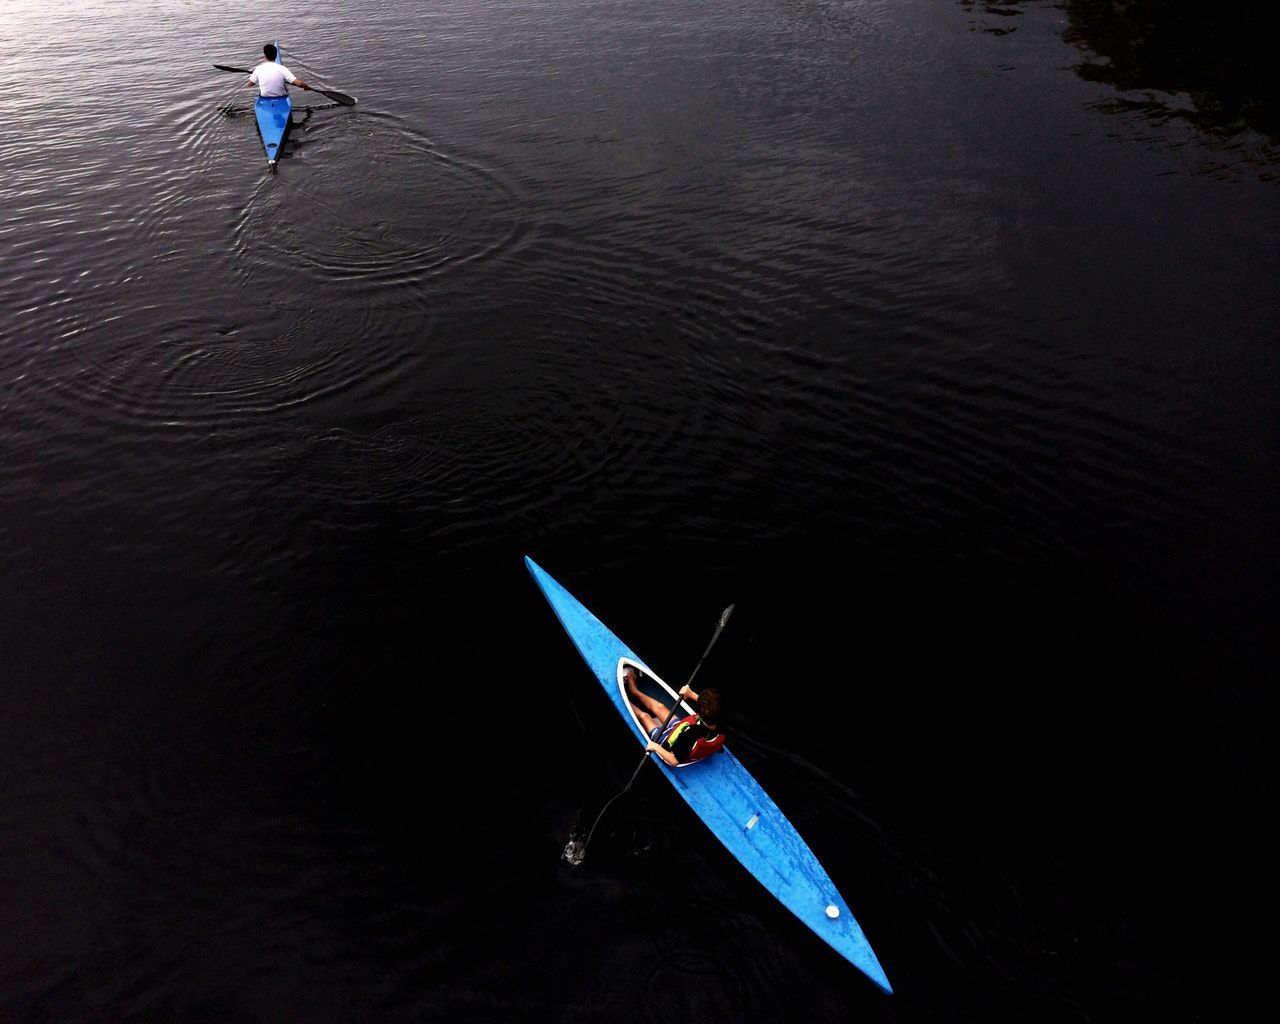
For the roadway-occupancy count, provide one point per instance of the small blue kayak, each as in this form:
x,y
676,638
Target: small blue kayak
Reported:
x,y
725,796
273,122
273,113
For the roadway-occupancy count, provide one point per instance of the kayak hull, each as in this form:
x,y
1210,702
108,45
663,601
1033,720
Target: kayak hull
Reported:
x,y
273,113
727,798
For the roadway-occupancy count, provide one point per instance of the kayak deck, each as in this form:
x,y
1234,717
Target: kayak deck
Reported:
x,y
273,123
727,799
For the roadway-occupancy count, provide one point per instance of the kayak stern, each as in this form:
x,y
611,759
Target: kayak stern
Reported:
x,y
273,114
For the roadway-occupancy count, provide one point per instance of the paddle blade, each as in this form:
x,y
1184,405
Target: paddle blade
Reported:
x,y
338,97
238,71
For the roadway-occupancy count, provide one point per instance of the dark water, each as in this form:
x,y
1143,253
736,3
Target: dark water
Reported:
x,y
949,359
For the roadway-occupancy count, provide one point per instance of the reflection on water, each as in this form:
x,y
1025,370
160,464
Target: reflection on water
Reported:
x,y
1211,64
1218,55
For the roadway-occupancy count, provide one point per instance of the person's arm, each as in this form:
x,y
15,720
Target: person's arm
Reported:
x,y
300,83
662,752
688,694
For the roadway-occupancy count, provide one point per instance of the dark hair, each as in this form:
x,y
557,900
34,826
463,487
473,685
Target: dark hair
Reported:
x,y
269,51
709,704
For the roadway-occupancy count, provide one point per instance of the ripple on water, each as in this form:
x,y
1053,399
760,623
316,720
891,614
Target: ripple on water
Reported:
x,y
389,208
330,285
720,977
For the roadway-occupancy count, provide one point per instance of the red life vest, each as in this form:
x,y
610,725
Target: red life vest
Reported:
x,y
690,739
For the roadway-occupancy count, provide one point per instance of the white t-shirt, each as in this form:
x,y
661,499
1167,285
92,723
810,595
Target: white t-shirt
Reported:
x,y
271,78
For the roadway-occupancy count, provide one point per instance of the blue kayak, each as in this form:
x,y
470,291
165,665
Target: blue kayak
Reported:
x,y
273,113
725,796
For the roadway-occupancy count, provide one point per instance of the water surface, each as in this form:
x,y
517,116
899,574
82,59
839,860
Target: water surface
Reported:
x,y
952,365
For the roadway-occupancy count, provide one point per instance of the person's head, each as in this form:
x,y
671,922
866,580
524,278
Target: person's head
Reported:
x,y
269,51
709,705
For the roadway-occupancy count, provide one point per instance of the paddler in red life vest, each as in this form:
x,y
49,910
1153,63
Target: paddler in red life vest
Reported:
x,y
686,739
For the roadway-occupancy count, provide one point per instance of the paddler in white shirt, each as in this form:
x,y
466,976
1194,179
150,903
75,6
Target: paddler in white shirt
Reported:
x,y
273,78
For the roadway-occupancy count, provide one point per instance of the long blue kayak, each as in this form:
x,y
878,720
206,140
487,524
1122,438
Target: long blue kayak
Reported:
x,y
273,113
725,796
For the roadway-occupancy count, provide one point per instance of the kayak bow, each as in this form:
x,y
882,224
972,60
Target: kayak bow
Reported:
x,y
726,797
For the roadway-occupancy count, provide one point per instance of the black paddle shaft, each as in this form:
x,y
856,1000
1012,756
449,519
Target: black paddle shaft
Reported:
x,y
337,97
724,617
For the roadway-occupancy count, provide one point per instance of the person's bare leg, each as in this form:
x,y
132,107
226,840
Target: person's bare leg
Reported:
x,y
648,722
646,707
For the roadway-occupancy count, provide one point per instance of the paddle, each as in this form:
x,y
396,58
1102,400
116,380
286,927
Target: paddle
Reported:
x,y
724,617
337,97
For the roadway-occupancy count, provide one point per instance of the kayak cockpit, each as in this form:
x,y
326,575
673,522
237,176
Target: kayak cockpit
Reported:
x,y
654,687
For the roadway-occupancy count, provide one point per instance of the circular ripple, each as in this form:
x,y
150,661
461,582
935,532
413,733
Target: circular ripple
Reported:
x,y
389,208
331,284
